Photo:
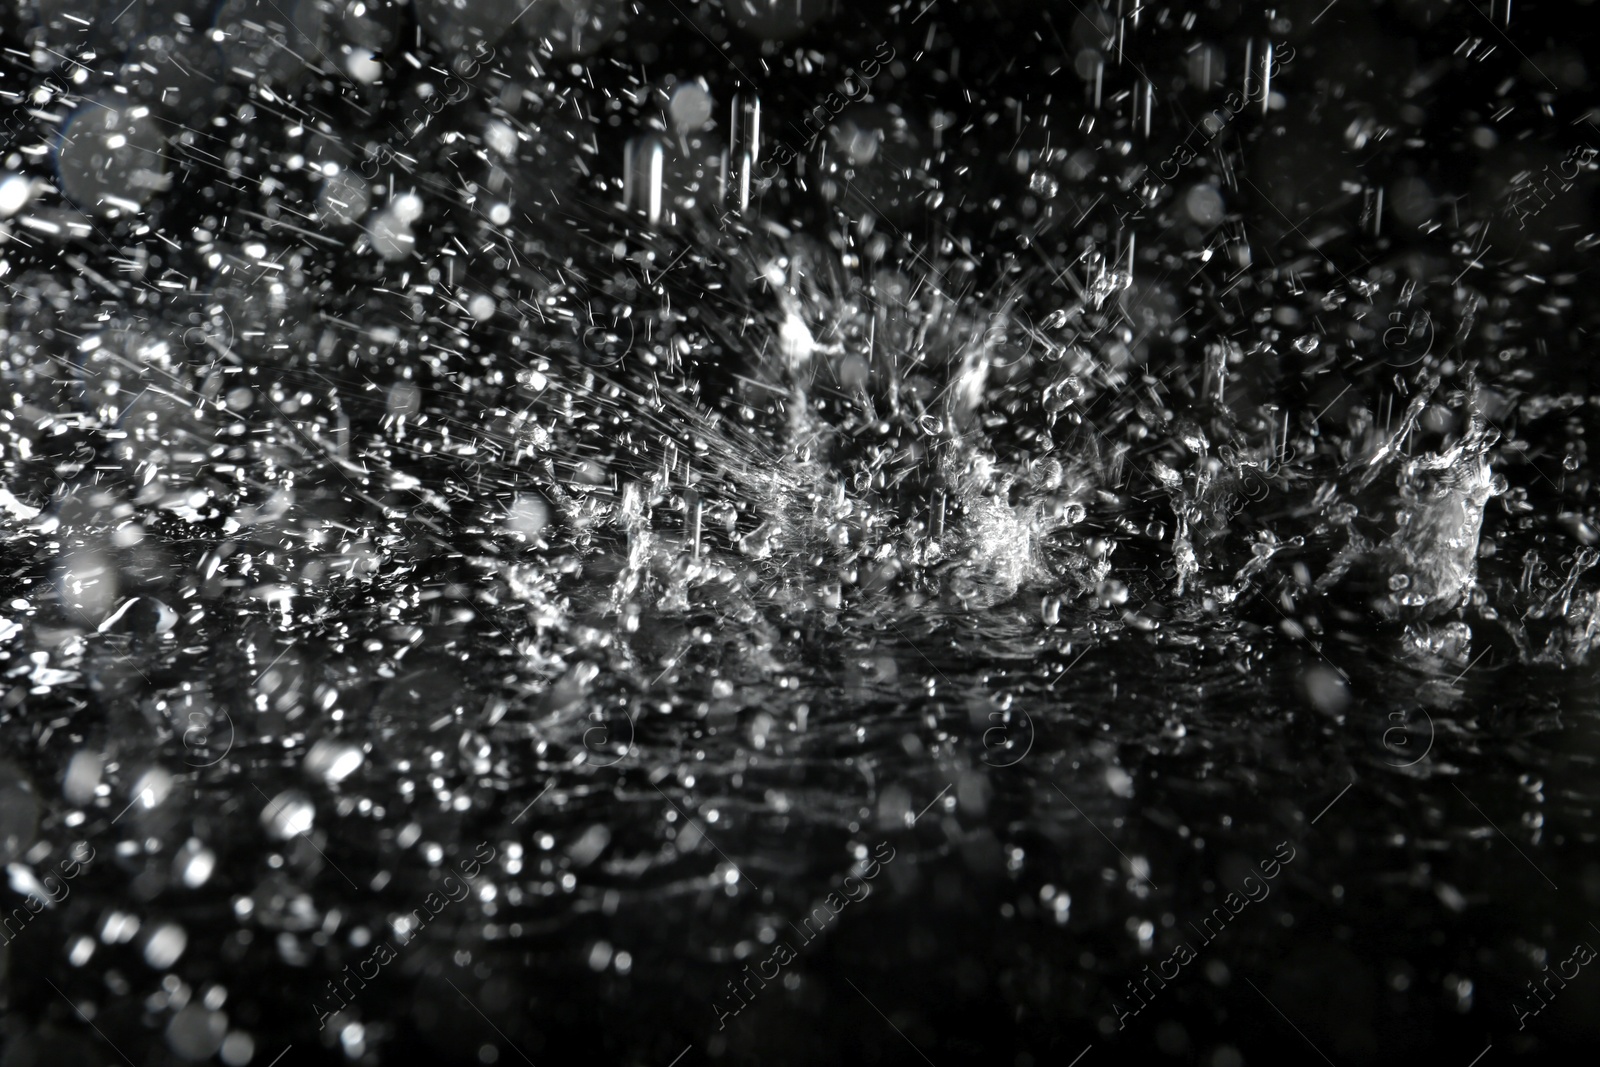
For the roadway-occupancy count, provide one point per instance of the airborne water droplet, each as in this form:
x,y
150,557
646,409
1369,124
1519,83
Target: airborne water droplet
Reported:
x,y
195,1033
165,945
193,864
289,814
332,761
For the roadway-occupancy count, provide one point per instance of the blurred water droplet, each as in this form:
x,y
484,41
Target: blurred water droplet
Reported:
x,y
88,582
82,776
1119,781
118,928
238,1049
109,156
15,192
690,107
344,199
1112,593
152,789
164,945
288,814
527,515
894,808
391,235
195,1033
1325,689
476,752
193,864
1204,204
332,761
587,848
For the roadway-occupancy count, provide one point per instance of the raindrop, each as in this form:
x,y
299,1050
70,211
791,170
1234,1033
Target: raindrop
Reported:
x,y
82,776
1325,689
332,761
15,192
527,516
238,1049
194,864
1203,203
344,198
690,107
288,814
152,788
587,848
1112,593
195,1033
88,582
164,945
109,156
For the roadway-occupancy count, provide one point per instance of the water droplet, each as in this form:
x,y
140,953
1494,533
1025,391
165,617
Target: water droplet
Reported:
x,y
1057,398
1326,690
1112,593
1119,781
119,928
109,157
391,236
1043,183
344,199
690,107
194,863
289,814
1205,205
82,776
152,788
794,338
587,848
196,1034
165,944
15,192
527,515
332,761
1107,284
238,1049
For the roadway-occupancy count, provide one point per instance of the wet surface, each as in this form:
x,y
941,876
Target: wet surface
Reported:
x,y
668,534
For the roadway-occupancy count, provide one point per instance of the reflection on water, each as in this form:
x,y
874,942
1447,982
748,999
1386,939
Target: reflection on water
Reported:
x,y
1066,807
